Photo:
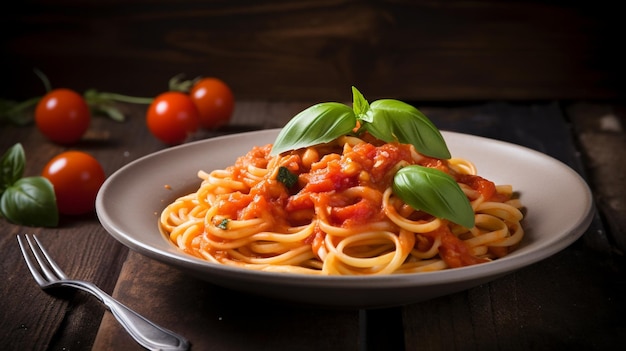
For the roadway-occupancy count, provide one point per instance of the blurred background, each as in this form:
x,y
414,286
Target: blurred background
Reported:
x,y
317,49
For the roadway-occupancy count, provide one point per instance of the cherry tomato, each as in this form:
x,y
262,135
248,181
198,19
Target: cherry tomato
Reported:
x,y
63,116
215,102
172,116
76,177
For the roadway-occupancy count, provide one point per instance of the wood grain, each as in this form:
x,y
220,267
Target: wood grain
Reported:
x,y
220,319
275,50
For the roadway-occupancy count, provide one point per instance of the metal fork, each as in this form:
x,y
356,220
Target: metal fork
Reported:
x,y
48,275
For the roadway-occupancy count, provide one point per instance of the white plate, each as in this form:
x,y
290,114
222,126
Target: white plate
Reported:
x,y
558,201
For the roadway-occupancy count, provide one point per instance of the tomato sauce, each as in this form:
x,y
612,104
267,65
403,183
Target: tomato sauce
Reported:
x,y
453,250
322,185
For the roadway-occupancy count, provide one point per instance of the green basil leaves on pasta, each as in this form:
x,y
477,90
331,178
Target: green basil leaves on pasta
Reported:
x,y
394,120
388,120
286,177
223,224
425,189
434,192
318,124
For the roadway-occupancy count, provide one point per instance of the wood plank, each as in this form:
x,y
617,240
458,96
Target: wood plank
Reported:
x,y
600,132
421,50
220,319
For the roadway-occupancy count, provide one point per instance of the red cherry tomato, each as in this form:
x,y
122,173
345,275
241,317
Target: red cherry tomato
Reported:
x,y
63,116
76,177
215,102
172,116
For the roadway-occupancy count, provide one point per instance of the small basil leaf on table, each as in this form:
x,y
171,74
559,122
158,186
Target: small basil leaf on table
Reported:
x,y
434,192
30,201
12,166
318,124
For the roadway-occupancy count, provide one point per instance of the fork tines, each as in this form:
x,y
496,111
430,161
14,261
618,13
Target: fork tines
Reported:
x,y
43,268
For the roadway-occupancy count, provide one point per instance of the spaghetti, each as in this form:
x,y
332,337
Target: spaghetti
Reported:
x,y
336,213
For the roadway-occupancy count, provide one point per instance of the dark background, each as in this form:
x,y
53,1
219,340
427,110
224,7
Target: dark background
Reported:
x,y
315,50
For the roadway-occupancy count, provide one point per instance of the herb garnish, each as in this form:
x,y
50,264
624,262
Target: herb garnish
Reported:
x,y
286,177
26,201
223,224
433,192
426,189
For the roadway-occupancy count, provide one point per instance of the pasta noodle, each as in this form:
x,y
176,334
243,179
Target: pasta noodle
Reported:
x,y
341,216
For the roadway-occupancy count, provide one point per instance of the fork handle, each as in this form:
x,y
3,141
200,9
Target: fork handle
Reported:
x,y
145,332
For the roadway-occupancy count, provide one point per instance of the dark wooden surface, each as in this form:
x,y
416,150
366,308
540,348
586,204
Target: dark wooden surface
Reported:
x,y
544,74
423,50
575,298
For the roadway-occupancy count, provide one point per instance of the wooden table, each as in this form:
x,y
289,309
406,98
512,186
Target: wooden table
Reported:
x,y
576,298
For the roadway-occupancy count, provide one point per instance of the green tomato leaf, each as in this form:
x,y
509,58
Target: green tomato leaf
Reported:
x,y
12,166
395,120
434,192
30,201
318,124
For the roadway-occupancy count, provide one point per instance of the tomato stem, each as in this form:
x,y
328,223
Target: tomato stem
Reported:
x,y
15,112
126,98
178,83
44,79
26,104
93,96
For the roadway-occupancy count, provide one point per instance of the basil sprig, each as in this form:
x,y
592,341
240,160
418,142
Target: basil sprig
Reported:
x,y
434,192
318,124
388,120
26,201
393,120
423,188
286,177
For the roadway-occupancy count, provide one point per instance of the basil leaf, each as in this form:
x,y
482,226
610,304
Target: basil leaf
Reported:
x,y
11,166
223,225
318,124
395,120
30,201
286,177
434,192
360,106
